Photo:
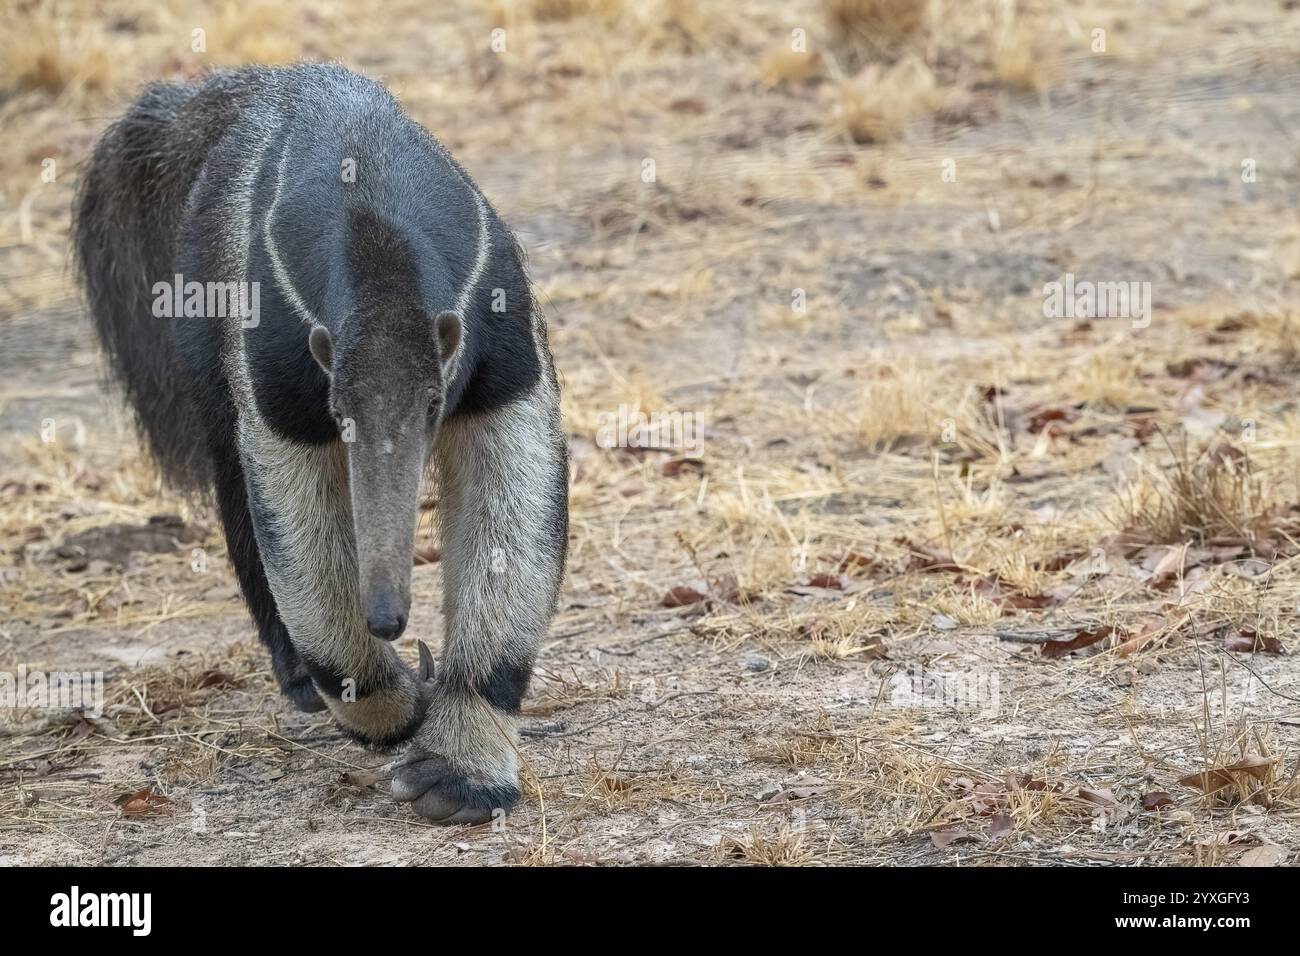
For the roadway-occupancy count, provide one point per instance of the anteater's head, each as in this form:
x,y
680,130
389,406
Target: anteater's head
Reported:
x,y
387,365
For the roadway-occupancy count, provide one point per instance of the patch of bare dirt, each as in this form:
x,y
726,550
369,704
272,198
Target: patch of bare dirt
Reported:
x,y
944,580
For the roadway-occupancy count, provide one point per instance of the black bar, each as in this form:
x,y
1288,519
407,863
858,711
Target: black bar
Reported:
x,y
330,906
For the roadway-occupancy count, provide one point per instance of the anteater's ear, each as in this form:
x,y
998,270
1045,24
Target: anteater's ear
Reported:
x,y
449,328
321,344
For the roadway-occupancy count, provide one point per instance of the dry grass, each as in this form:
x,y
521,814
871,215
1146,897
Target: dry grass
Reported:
x,y
545,10
512,13
1210,494
916,474
900,402
1277,329
47,48
784,846
877,105
238,33
876,30
1019,62
782,65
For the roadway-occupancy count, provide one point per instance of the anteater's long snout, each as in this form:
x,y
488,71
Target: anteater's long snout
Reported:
x,y
385,480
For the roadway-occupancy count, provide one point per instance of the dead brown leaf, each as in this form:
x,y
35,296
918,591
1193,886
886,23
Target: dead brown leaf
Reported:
x,y
1082,639
926,557
946,836
1216,778
145,802
684,594
1246,640
1002,825
1156,800
682,464
217,678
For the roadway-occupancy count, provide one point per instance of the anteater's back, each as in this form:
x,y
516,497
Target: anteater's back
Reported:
x,y
125,221
167,156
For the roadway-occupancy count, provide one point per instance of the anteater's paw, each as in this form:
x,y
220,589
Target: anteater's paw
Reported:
x,y
302,693
294,680
438,792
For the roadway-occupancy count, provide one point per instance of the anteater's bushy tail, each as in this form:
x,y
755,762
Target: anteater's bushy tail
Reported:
x,y
124,233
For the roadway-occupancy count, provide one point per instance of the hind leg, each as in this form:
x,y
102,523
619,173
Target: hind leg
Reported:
x,y
290,673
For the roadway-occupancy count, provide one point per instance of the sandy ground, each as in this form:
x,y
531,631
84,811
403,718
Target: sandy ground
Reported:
x,y
910,496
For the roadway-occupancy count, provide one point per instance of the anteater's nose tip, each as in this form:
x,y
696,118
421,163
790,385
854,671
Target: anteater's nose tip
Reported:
x,y
386,618
387,626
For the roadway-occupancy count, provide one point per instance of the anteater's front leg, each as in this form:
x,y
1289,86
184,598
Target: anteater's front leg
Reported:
x,y
300,504
504,518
